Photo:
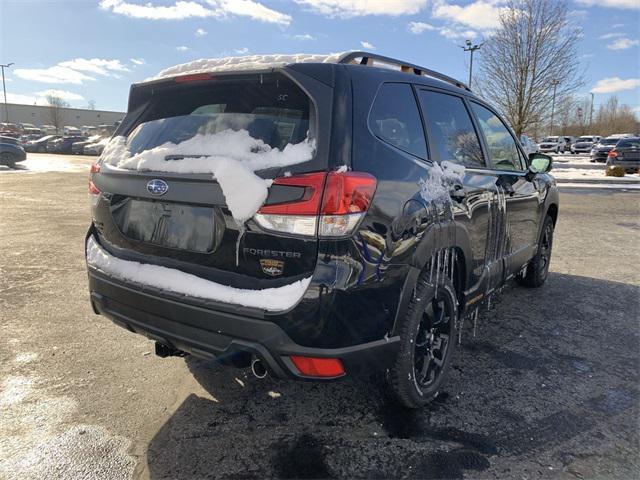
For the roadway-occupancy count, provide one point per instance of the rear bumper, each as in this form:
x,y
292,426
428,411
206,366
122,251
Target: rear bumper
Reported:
x,y
222,335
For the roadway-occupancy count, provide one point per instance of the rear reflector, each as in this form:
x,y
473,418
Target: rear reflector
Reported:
x,y
332,204
93,190
318,367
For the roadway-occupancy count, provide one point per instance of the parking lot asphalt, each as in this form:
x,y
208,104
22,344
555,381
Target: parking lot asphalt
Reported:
x,y
547,388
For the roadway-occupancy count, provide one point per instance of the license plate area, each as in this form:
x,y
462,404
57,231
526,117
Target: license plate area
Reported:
x,y
172,225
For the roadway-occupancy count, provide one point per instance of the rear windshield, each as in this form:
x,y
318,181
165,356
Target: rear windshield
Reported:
x,y
609,141
585,139
550,139
270,108
630,142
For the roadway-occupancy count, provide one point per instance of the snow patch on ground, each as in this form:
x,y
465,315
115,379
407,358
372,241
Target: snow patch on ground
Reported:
x,y
244,63
272,299
230,155
42,163
36,442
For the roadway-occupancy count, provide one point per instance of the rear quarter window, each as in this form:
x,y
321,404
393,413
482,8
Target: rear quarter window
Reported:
x,y
395,119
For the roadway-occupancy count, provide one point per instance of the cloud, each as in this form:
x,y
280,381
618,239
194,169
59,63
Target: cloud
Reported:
x,y
200,32
182,48
607,36
352,8
304,37
367,45
72,71
241,51
138,61
40,98
452,32
55,74
630,4
419,27
63,94
615,84
251,9
456,33
178,11
99,66
623,44
480,15
183,9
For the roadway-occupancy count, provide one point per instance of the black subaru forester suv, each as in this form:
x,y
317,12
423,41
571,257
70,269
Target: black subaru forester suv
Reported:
x,y
411,202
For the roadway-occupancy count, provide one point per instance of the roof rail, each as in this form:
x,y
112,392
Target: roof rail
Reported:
x,y
366,58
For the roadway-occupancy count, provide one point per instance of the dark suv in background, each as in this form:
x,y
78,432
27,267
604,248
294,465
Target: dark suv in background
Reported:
x,y
415,203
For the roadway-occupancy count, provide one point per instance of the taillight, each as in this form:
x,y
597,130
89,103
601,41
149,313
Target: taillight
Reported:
x,y
93,190
331,205
613,153
318,367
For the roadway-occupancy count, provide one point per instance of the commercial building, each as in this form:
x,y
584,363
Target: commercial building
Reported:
x,y
42,115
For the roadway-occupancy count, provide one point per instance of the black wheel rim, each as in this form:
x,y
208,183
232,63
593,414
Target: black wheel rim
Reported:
x,y
545,247
432,342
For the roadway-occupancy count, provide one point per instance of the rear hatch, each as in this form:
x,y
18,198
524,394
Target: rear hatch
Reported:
x,y
182,177
629,150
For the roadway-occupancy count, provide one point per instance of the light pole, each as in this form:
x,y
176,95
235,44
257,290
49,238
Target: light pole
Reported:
x,y
4,89
555,83
470,47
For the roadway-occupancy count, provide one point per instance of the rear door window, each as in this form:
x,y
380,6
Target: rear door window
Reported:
x,y
503,151
395,119
450,130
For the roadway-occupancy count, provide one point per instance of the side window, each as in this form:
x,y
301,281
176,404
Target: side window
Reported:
x,y
395,119
503,152
451,133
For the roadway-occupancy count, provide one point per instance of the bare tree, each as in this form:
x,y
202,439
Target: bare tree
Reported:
x,y
56,110
533,47
91,105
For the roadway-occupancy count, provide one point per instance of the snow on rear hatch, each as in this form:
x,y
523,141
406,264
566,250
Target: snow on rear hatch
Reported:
x,y
227,128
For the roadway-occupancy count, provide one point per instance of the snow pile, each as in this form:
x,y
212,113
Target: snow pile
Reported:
x,y
441,180
271,299
230,155
245,63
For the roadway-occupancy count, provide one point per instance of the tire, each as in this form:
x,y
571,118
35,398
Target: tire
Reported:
x,y
415,379
537,269
8,159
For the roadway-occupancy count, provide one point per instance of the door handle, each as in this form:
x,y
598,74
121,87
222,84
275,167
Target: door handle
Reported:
x,y
458,192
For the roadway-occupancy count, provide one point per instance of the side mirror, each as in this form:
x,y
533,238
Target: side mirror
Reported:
x,y
540,163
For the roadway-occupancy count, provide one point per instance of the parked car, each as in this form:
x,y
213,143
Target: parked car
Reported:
x,y
49,129
63,144
71,131
78,147
585,144
600,151
529,145
625,154
352,261
95,148
568,141
10,152
553,144
9,130
40,145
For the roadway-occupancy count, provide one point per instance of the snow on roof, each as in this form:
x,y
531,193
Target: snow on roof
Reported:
x,y
249,62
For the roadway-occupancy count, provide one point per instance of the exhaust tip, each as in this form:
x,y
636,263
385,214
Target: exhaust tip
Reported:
x,y
258,368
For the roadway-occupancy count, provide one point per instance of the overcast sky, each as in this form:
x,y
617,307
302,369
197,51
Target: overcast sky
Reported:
x,y
93,49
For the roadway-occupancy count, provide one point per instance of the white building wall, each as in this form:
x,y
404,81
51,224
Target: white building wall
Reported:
x,y
75,117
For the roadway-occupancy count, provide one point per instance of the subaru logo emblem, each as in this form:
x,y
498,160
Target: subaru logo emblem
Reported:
x,y
157,187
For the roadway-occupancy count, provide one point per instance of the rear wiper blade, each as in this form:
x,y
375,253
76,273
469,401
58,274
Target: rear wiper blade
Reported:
x,y
182,157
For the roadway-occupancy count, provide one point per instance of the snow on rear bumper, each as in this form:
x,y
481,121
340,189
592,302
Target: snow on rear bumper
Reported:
x,y
269,299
